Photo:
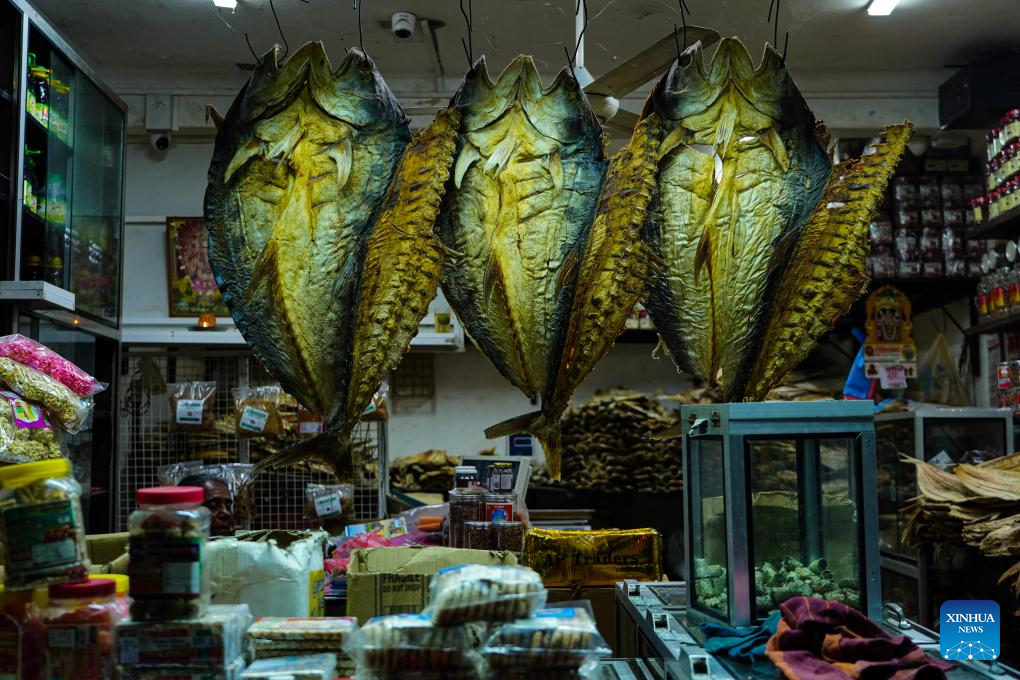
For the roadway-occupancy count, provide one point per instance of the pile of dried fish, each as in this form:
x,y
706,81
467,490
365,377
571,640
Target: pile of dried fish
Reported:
x,y
427,471
609,450
794,388
974,505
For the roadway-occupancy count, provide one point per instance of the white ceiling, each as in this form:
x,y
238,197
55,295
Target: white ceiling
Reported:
x,y
190,39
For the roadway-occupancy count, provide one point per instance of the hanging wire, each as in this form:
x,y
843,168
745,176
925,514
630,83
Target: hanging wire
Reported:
x,y
774,4
469,22
684,11
361,30
571,59
251,49
286,46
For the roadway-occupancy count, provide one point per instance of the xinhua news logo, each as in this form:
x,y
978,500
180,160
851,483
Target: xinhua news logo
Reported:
x,y
969,630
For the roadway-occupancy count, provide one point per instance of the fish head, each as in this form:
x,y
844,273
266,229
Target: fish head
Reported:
x,y
354,92
726,99
560,111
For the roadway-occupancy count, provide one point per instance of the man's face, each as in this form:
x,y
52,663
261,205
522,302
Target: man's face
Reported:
x,y
221,506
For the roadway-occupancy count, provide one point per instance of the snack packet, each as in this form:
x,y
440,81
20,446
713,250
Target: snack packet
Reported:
x,y
191,406
257,412
408,642
26,434
563,638
476,592
66,408
35,355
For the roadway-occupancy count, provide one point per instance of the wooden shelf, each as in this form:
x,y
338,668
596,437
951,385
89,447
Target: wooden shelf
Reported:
x,y
1005,225
996,324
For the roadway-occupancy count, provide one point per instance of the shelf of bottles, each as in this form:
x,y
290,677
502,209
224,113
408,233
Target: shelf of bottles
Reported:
x,y
72,175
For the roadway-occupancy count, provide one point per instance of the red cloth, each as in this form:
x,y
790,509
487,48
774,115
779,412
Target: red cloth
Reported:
x,y
819,640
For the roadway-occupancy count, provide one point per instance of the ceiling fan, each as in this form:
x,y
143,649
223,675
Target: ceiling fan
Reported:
x,y
604,93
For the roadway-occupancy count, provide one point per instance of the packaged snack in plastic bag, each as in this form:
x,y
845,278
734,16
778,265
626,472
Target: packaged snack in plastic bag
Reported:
x,y
257,412
40,357
237,476
26,433
558,638
310,667
66,408
329,505
191,406
476,592
409,642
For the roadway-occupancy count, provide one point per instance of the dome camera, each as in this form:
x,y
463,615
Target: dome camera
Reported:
x,y
402,24
160,141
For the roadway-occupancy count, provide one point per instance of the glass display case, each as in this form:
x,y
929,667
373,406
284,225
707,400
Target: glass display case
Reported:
x,y
64,217
780,502
942,436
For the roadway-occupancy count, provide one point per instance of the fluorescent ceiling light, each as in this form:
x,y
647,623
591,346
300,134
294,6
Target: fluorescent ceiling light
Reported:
x,y
225,4
880,8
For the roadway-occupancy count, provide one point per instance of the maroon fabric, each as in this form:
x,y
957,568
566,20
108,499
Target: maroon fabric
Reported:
x,y
820,640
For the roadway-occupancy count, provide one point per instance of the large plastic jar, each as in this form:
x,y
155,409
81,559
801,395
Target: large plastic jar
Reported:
x,y
41,525
79,623
168,534
466,505
22,637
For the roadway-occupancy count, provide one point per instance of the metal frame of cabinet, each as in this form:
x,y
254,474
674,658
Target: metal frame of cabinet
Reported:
x,y
916,567
37,308
46,299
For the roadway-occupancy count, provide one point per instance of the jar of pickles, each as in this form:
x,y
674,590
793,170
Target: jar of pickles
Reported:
x,y
41,525
22,637
168,533
79,623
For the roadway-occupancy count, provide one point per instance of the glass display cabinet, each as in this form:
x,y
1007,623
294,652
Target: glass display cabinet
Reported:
x,y
942,436
61,175
61,221
780,502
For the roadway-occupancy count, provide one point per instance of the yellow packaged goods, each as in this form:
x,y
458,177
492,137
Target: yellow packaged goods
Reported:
x,y
68,409
474,592
566,558
257,412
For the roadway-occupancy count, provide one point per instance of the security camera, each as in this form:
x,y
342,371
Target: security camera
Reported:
x,y
160,141
402,24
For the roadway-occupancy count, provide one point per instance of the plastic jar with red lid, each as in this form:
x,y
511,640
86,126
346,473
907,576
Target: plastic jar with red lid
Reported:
x,y
22,637
168,535
1011,126
79,622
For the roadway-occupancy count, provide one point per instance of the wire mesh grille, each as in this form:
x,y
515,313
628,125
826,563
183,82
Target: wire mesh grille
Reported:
x,y
148,442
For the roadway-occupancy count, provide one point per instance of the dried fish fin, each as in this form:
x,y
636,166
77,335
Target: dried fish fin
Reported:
x,y
403,262
674,139
327,447
215,116
468,155
775,144
568,269
826,273
555,166
342,154
254,147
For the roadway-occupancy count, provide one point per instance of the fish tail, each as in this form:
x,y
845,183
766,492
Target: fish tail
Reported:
x,y
327,447
535,423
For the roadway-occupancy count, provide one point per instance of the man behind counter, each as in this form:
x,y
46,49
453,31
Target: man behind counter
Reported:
x,y
217,499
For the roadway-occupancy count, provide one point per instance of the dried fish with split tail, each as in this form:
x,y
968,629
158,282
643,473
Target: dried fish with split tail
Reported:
x,y
615,272
301,165
530,164
742,178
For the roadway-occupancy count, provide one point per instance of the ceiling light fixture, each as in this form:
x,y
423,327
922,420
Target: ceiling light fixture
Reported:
x,y
882,8
225,4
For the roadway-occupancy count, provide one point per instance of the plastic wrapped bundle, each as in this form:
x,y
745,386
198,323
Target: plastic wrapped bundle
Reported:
x,y
475,592
409,642
309,667
40,357
231,672
276,636
69,410
214,640
563,639
26,434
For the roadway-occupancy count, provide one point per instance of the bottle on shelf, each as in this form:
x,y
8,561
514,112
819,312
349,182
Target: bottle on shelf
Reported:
x,y
39,99
55,271
32,183
32,269
984,298
1000,285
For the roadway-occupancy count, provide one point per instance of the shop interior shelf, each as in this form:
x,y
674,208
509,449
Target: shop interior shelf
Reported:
x,y
1005,225
997,324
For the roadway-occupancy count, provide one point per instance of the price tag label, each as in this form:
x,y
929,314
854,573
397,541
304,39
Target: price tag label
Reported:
x,y
253,419
326,506
189,411
893,377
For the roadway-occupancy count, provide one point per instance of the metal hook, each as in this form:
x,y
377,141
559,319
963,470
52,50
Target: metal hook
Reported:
x,y
252,49
580,37
469,16
774,4
361,32
286,46
684,11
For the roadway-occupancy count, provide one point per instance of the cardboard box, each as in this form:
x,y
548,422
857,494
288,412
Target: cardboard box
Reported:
x,y
603,605
105,548
383,581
